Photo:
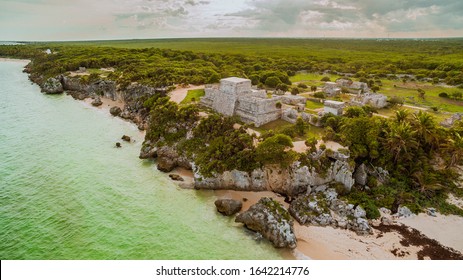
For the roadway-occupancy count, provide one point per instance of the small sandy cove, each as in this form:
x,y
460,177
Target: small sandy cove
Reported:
x,y
327,243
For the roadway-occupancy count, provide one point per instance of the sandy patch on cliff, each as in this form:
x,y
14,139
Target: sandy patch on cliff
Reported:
x,y
180,93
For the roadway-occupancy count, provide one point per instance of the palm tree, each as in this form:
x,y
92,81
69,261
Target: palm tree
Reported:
x,y
400,141
454,147
401,115
426,129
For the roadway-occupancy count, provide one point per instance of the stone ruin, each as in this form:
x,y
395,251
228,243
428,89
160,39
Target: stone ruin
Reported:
x,y
331,89
353,87
335,88
333,107
235,97
375,100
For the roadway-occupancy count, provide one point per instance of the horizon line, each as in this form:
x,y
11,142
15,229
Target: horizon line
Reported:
x,y
235,37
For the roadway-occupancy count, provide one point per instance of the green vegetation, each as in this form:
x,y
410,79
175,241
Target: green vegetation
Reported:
x,y
417,152
408,145
193,96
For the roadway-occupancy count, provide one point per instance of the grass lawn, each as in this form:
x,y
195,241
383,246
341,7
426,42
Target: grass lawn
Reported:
x,y
409,91
275,125
313,105
193,95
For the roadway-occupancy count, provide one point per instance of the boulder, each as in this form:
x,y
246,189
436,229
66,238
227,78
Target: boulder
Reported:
x,y
361,175
228,207
166,164
126,138
176,177
118,145
404,212
97,102
359,212
271,220
431,212
52,86
115,111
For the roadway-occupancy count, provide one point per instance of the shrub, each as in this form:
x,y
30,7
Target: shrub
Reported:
x,y
319,95
295,91
443,95
325,79
272,81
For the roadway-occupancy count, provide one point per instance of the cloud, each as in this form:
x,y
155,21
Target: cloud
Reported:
x,y
85,19
383,16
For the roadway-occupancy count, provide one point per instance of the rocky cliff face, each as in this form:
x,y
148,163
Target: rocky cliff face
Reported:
x,y
291,181
271,220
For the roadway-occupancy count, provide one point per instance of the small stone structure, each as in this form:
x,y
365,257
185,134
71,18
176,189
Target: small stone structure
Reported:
x,y
334,107
331,89
353,87
375,100
235,97
293,99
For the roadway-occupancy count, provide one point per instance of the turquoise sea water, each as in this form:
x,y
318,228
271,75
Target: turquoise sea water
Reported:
x,y
67,193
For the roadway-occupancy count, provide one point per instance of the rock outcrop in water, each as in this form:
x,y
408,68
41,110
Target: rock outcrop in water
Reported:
x,y
271,220
115,111
52,86
228,207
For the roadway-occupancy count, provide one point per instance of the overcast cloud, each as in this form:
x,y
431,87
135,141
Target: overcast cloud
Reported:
x,y
112,19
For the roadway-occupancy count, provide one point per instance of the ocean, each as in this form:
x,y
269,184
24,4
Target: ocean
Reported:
x,y
66,192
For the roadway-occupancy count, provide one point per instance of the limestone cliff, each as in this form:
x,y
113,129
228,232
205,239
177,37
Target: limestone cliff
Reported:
x,y
290,181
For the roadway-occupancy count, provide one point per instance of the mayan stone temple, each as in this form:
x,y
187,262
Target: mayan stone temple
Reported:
x,y
236,97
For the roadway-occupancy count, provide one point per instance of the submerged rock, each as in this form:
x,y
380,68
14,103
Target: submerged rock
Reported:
x,y
115,111
176,177
52,86
228,207
271,220
97,102
118,145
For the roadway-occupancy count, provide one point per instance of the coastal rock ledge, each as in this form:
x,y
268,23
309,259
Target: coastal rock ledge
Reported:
x,y
271,220
52,86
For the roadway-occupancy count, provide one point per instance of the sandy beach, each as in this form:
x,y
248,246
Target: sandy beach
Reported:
x,y
327,243
14,59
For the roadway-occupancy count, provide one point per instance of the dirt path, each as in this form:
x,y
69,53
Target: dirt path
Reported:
x,y
180,93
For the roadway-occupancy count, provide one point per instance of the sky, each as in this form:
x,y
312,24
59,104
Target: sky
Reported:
x,y
44,20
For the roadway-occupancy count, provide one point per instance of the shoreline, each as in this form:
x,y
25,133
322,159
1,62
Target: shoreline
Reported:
x,y
5,59
327,243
